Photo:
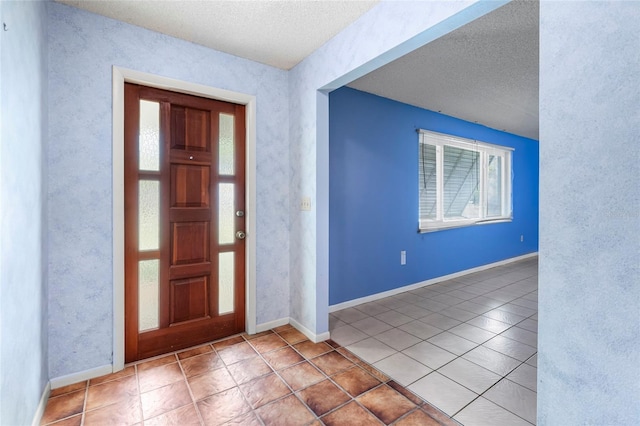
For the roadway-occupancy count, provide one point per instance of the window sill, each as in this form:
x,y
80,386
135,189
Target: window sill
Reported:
x,y
445,226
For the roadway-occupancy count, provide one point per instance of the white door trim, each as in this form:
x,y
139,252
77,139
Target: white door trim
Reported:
x,y
120,76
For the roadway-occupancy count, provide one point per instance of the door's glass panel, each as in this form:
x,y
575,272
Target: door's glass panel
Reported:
x,y
226,152
226,214
149,138
149,215
148,294
494,186
226,278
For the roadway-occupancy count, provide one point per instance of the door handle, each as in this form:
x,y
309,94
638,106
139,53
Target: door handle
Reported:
x,y
241,235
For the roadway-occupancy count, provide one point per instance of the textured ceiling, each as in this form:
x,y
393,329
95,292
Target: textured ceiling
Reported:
x,y
485,72
280,33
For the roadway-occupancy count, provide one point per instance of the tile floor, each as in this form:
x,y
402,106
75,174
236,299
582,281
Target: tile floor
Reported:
x,y
467,346
273,378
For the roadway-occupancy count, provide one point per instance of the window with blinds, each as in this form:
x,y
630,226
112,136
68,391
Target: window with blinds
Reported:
x,y
462,182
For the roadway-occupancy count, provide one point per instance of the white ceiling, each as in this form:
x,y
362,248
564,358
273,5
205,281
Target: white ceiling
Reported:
x,y
485,72
280,33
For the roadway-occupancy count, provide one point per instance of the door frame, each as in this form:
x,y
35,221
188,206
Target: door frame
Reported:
x,y
120,76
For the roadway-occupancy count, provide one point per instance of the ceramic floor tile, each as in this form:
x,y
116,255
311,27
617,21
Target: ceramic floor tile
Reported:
x,y
222,407
292,336
210,383
355,381
470,375
227,343
518,310
386,404
332,362
311,350
164,399
503,316
323,397
440,321
200,364
267,343
347,335
128,371
195,351
483,412
452,343
442,392
111,392
372,308
186,415
522,336
416,312
403,369
371,326
158,377
123,413
76,386
420,329
64,406
526,376
491,360
489,324
394,318
156,362
351,414
458,314
371,350
417,417
283,358
397,339
350,315
237,353
472,333
69,421
263,390
301,375
473,307
509,347
296,413
429,354
249,369
533,361
529,324
515,398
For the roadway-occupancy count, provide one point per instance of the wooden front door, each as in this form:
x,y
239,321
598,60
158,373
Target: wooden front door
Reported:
x,y
184,221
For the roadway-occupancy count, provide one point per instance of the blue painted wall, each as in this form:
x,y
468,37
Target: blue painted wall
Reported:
x,y
23,203
373,187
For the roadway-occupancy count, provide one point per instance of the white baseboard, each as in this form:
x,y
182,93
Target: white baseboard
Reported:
x,y
37,418
271,324
393,292
70,379
315,338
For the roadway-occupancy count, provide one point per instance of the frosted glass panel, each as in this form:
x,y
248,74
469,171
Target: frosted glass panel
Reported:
x,y
226,214
149,215
148,294
226,263
226,144
149,139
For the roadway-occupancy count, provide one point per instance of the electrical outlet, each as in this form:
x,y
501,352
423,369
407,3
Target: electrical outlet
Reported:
x,y
403,257
522,238
305,204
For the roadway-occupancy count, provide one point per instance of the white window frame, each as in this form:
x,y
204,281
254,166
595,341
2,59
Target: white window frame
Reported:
x,y
440,140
